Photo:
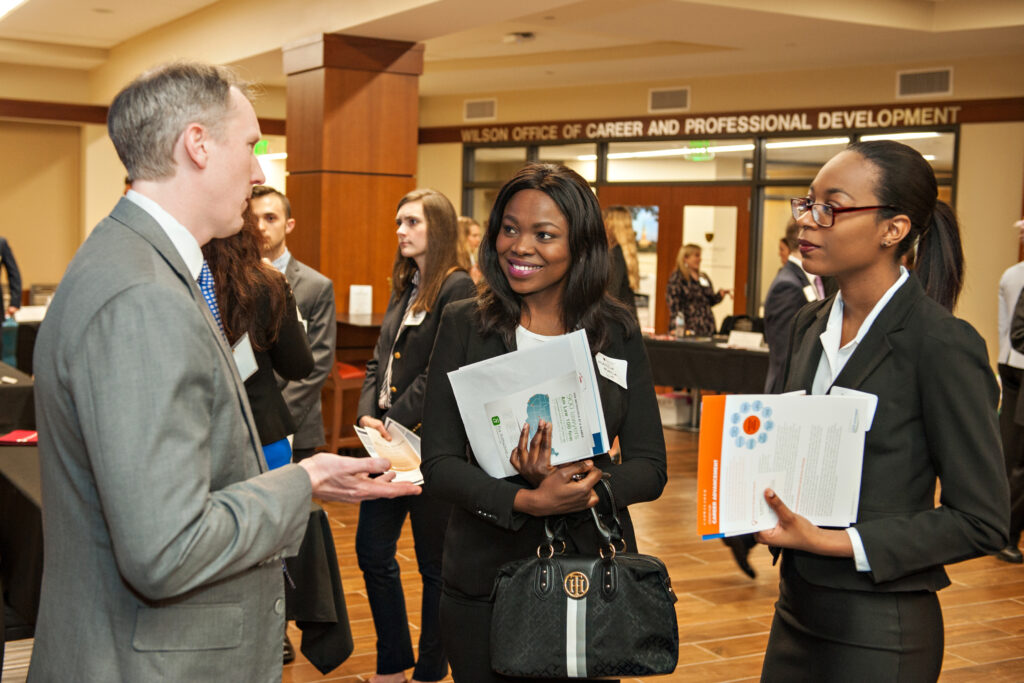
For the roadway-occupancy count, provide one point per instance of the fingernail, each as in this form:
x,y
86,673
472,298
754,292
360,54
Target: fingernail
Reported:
x,y
770,493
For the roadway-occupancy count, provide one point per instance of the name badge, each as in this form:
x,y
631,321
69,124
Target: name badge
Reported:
x,y
612,368
705,282
811,293
245,359
414,318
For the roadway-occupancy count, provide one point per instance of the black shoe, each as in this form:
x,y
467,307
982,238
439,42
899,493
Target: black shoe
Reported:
x,y
740,547
1011,554
289,651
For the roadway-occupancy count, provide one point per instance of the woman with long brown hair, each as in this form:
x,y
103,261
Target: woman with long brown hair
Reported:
x,y
255,301
425,277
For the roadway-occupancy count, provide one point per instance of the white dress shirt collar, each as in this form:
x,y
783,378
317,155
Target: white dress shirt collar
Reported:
x,y
187,246
834,358
281,262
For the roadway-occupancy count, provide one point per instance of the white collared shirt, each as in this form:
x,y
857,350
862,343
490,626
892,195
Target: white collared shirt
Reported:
x,y
810,278
281,262
187,246
833,360
1010,286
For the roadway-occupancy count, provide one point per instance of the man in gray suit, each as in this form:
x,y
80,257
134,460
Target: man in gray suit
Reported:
x,y
314,295
163,530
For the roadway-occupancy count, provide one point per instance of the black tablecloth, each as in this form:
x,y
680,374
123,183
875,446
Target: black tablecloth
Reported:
x,y
26,345
316,604
17,406
707,366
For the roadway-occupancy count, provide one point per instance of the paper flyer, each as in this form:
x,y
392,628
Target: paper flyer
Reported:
x,y
808,449
403,451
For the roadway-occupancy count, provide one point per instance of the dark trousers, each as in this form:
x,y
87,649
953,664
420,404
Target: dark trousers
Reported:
x,y
380,526
828,634
466,631
1013,447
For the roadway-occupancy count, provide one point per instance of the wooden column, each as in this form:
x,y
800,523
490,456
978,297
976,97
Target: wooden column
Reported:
x,y
352,136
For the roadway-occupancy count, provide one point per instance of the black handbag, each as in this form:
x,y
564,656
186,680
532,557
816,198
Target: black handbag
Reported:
x,y
562,615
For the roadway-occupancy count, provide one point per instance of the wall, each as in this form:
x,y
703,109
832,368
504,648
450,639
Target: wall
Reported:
x,y
40,202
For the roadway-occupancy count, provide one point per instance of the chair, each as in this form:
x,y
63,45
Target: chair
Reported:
x,y
344,377
742,323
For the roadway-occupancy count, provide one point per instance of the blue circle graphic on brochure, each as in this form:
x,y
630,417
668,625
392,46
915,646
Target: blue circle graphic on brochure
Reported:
x,y
751,424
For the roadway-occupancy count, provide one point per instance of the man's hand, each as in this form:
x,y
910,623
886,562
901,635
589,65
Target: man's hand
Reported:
x,y
347,479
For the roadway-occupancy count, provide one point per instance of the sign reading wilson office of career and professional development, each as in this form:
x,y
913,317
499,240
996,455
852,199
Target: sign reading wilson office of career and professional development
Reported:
x,y
746,123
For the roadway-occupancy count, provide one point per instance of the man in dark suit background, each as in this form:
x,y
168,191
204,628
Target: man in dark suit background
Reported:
x,y
314,294
8,263
791,289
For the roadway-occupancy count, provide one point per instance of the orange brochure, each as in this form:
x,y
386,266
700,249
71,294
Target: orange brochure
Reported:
x,y
709,465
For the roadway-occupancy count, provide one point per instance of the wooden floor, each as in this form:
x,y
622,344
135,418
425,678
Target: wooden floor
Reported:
x,y
724,617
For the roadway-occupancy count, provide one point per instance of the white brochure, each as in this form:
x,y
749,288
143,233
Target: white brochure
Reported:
x,y
554,381
403,451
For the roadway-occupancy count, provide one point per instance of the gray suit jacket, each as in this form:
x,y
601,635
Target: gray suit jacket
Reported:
x,y
314,295
161,529
784,299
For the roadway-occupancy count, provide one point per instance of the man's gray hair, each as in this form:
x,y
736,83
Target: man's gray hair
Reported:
x,y
147,117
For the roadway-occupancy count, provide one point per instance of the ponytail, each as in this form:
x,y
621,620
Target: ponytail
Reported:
x,y
940,257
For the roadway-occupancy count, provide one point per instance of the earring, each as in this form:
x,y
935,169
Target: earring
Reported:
x,y
886,243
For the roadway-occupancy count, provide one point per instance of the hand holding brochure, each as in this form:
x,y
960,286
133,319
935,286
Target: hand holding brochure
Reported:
x,y
808,449
554,382
403,451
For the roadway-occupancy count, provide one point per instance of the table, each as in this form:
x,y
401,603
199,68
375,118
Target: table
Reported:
x,y
316,604
17,404
27,333
700,365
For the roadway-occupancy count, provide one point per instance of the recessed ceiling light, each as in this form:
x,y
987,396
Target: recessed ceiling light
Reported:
x,y
518,37
8,5
102,10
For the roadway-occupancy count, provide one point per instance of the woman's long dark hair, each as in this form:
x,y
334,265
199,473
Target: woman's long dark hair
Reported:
x,y
906,180
584,302
442,250
243,283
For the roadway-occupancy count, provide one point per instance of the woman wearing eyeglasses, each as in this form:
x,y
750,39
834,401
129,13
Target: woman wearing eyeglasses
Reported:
x,y
860,604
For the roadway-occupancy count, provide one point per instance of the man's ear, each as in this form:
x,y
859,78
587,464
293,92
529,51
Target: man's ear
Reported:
x,y
289,225
194,143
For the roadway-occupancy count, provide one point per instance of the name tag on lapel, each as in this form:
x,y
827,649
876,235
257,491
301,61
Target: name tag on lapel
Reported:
x,y
612,368
704,282
414,318
811,293
245,359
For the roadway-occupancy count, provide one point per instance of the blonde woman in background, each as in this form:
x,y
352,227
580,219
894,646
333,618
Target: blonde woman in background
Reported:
x,y
469,244
691,294
624,274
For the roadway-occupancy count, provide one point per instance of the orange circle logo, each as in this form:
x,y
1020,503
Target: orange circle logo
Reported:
x,y
751,424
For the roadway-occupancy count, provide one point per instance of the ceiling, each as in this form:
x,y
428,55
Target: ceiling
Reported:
x,y
583,42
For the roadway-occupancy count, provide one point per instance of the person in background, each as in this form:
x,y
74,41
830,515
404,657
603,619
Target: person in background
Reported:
x,y
624,275
860,604
314,294
690,294
1011,416
545,265
8,263
784,250
469,244
164,529
426,277
790,291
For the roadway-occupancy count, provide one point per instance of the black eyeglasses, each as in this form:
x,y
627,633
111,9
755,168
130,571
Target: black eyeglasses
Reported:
x,y
825,215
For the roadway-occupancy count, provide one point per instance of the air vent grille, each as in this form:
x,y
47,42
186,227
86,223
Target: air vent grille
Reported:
x,y
930,82
668,99
480,110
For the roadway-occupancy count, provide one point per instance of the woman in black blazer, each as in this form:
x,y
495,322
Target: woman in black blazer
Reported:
x,y
859,604
255,299
545,264
425,278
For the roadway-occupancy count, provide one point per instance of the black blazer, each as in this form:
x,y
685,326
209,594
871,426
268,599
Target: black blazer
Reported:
x,y
784,299
936,417
411,354
484,532
291,358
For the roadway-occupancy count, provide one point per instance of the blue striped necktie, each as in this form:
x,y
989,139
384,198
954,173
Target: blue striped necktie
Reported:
x,y
210,294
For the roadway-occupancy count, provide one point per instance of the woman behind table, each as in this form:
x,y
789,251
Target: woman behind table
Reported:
x,y
691,294
426,276
545,265
859,604
255,300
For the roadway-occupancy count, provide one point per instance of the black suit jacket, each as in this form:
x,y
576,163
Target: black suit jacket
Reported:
x,y
289,356
484,531
936,417
411,354
13,274
784,299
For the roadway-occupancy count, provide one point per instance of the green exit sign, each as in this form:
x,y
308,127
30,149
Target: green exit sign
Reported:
x,y
262,147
